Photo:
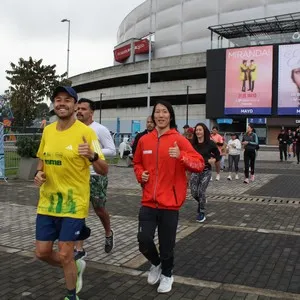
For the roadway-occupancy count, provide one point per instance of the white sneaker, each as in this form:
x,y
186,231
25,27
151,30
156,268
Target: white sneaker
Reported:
x,y
165,284
154,274
211,179
252,178
218,177
236,176
80,264
246,180
229,177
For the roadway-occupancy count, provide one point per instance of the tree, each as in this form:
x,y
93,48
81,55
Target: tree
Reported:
x,y
31,82
42,111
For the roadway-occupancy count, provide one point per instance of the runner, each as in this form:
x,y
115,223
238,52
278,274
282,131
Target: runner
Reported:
x,y
98,183
199,181
66,151
160,163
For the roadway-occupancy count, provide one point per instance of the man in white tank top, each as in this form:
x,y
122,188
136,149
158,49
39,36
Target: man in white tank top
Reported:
x,y
98,184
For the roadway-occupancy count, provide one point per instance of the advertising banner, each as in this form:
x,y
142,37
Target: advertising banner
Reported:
x,y
140,47
248,82
289,80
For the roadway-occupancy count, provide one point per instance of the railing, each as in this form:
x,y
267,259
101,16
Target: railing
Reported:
x,y
11,156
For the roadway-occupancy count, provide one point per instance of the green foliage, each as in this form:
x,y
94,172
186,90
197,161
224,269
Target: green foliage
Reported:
x,y
27,146
42,111
31,82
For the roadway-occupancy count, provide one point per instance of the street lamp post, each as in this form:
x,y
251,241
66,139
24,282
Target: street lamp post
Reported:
x,y
149,61
187,104
100,108
68,50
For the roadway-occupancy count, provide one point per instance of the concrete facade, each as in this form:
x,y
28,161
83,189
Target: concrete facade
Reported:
x,y
180,26
162,88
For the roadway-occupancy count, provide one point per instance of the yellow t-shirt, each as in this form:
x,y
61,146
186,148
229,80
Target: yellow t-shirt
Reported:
x,y
66,192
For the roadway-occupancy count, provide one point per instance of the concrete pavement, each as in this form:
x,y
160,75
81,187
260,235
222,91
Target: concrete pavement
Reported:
x,y
247,249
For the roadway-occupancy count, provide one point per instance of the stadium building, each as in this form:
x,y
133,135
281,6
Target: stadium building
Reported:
x,y
185,73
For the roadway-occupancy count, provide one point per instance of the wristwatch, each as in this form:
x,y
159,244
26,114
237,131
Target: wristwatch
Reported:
x,y
95,157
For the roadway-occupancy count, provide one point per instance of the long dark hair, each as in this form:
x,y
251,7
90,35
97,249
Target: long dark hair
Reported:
x,y
206,134
252,126
170,110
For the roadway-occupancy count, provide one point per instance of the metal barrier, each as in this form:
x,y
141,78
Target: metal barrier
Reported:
x,y
11,156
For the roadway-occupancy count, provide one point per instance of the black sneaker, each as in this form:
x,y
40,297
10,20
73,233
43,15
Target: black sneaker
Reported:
x,y
80,254
109,242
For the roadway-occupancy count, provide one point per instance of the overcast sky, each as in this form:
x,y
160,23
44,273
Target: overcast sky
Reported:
x,y
34,28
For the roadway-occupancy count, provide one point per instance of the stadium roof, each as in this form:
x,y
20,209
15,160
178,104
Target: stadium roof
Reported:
x,y
259,28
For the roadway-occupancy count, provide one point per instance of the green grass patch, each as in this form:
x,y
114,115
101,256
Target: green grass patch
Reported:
x,y
112,160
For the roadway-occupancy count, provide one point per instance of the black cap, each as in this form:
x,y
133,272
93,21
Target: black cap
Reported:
x,y
186,126
67,89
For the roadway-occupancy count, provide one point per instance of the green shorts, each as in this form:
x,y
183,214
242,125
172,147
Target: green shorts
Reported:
x,y
98,190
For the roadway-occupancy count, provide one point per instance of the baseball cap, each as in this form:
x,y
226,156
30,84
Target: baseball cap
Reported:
x,y
186,126
67,89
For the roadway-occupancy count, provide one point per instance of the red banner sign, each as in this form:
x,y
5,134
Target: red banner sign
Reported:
x,y
140,47
122,53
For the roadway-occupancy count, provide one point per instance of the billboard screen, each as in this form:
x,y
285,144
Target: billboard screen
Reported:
x,y
289,80
248,81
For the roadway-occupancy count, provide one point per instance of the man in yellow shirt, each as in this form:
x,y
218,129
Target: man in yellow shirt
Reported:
x,y
67,149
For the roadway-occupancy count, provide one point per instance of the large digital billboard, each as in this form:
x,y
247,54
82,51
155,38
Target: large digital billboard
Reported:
x,y
248,81
289,80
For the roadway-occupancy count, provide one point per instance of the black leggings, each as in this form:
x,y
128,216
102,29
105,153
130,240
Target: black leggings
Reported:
x,y
249,160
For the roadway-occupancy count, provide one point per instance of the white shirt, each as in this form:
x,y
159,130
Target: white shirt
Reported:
x,y
105,140
234,147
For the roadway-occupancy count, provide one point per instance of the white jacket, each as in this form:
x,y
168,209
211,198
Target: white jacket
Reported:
x,y
234,147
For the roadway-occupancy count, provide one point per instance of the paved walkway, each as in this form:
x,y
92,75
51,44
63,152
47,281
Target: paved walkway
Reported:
x,y
247,249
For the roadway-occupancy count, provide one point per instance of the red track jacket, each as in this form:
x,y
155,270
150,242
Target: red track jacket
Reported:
x,y
167,184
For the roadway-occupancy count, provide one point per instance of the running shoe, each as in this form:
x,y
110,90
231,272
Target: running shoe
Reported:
x,y
81,264
71,298
154,274
109,242
81,254
201,217
165,285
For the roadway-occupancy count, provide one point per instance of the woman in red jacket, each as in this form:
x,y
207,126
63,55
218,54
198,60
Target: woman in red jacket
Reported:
x,y
160,163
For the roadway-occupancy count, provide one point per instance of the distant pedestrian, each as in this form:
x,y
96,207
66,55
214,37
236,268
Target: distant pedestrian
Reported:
x,y
290,143
185,130
160,163
219,140
149,127
199,181
250,143
283,139
190,134
234,147
297,142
